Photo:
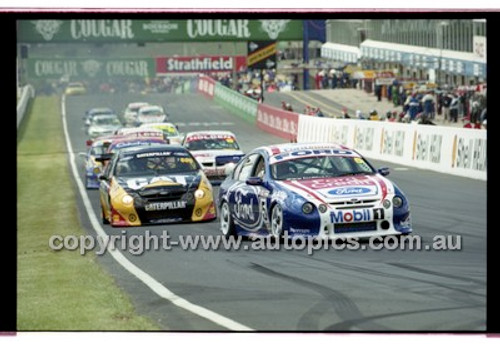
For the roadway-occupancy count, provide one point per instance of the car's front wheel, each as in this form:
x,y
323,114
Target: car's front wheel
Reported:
x,y
226,221
103,217
277,221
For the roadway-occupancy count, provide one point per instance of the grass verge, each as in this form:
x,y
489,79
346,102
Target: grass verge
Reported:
x,y
58,290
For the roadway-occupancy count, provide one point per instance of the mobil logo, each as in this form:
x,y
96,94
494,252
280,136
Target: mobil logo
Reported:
x,y
363,215
351,190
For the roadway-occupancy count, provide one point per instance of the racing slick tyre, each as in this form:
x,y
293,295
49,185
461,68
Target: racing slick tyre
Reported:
x,y
277,222
226,221
103,217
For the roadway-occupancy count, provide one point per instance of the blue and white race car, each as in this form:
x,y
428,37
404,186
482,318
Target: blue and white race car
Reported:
x,y
311,190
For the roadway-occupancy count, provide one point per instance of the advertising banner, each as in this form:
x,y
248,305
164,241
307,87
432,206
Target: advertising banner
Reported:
x,y
278,122
128,30
90,68
199,64
456,151
261,54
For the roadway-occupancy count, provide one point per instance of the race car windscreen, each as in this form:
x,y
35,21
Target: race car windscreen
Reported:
x,y
227,143
106,121
320,167
155,163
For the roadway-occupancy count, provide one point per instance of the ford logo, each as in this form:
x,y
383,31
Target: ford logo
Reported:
x,y
350,191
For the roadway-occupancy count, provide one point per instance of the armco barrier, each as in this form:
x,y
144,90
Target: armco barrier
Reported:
x,y
457,151
237,103
27,93
277,122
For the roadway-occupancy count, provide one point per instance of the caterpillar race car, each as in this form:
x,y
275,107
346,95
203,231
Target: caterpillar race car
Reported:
x,y
154,185
311,190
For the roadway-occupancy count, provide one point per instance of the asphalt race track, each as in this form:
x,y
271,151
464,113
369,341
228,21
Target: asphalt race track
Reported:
x,y
334,290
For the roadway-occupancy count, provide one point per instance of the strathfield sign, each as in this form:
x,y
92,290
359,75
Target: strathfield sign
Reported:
x,y
129,30
197,64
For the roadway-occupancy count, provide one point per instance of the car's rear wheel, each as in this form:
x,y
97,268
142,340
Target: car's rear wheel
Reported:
x,y
277,221
226,221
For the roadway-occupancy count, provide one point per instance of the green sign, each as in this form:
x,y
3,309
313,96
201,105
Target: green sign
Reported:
x,y
235,102
123,30
90,68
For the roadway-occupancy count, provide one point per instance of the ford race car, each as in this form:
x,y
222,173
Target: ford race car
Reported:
x,y
153,185
96,111
214,150
311,190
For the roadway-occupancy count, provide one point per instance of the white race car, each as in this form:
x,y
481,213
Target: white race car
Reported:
x,y
130,113
214,150
169,130
151,114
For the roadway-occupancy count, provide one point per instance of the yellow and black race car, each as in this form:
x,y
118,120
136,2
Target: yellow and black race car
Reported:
x,y
154,185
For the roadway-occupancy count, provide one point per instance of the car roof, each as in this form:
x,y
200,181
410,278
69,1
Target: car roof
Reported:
x,y
152,148
277,149
210,132
150,107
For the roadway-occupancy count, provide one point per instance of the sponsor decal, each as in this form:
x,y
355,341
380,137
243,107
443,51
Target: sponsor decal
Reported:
x,y
186,64
346,191
162,153
210,137
243,210
363,138
161,206
393,143
299,230
47,28
160,27
273,28
428,148
309,152
470,153
237,29
362,215
323,183
91,67
280,123
118,29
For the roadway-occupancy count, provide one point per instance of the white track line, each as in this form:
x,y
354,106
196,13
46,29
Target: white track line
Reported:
x,y
154,285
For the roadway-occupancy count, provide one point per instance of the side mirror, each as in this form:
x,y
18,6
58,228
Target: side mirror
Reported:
x,y
102,177
384,171
88,142
82,154
254,181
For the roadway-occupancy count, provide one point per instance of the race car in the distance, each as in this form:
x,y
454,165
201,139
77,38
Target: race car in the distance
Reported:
x,y
93,167
75,88
316,190
151,114
96,111
168,129
103,125
155,185
215,151
130,113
